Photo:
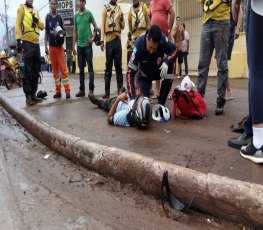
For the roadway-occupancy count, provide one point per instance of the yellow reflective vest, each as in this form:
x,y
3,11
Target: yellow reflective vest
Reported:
x,y
27,23
113,18
212,4
138,17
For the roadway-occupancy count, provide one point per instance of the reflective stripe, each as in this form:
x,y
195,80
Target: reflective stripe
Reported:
x,y
132,66
57,82
112,19
65,81
169,76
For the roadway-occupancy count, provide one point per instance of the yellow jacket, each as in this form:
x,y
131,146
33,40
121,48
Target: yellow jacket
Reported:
x,y
24,28
138,28
108,19
219,10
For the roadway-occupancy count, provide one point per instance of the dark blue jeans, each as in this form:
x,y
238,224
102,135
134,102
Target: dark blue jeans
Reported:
x,y
255,65
32,68
85,55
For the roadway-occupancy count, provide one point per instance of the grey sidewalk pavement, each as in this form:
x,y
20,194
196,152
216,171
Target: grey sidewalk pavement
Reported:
x,y
199,145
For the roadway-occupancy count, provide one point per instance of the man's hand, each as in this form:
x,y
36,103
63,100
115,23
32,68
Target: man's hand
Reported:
x,y
102,46
74,50
19,46
90,41
235,10
46,50
164,70
123,97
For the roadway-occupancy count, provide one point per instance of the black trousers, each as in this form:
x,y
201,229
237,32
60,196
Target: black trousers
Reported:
x,y
106,105
32,68
113,53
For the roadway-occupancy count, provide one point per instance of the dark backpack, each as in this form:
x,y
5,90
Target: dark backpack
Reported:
x,y
188,105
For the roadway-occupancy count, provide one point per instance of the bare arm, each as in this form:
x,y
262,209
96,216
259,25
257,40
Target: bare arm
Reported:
x,y
121,97
74,39
235,10
171,18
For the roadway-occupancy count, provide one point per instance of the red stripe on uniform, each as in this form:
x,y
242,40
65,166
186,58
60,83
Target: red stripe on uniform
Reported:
x,y
129,82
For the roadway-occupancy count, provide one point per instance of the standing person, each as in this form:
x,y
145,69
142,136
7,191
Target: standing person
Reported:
x,y
185,49
233,35
138,19
214,36
153,58
253,127
28,24
112,24
159,11
178,37
84,37
54,37
73,62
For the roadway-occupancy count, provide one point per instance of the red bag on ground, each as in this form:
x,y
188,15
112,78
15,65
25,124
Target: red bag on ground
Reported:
x,y
188,104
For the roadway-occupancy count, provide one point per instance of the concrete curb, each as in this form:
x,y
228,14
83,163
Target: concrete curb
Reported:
x,y
235,200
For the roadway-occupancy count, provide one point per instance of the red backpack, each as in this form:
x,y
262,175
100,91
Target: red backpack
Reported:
x,y
188,104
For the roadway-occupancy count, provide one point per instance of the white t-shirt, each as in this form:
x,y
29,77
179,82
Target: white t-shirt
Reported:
x,y
186,38
257,6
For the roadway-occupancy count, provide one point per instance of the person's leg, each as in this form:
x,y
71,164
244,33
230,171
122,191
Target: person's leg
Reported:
x,y
220,39
118,63
185,63
103,104
54,63
28,60
81,62
63,68
108,70
89,58
206,51
254,150
35,73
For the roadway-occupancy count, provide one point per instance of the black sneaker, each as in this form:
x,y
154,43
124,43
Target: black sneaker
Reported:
x,y
94,100
57,95
250,152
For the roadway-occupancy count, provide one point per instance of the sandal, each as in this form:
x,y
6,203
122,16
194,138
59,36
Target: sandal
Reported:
x,y
155,97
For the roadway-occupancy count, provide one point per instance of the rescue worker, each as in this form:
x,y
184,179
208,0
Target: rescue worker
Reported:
x,y
56,49
150,61
112,24
214,36
28,24
138,19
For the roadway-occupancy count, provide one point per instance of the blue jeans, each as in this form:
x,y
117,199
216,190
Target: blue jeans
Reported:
x,y
214,36
85,55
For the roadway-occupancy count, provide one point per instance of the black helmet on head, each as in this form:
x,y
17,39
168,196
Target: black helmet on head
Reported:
x,y
97,36
59,35
141,112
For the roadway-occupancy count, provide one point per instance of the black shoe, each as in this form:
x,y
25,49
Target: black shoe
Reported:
x,y
57,95
219,110
80,94
250,152
94,100
67,95
238,142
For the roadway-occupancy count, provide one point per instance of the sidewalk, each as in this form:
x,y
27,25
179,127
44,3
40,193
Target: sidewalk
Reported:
x,y
199,145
